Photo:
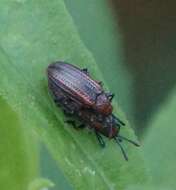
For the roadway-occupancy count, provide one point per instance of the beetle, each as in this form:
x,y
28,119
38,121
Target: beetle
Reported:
x,y
106,125
80,87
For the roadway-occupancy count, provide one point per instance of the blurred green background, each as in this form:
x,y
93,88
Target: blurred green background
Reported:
x,y
133,44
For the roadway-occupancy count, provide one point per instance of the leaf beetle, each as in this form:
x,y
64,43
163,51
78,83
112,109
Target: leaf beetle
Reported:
x,y
84,99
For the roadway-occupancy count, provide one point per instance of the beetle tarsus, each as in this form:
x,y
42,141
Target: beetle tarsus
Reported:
x,y
128,140
100,139
123,151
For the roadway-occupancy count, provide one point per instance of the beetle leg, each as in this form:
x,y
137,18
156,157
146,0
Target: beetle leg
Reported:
x,y
73,123
110,96
123,151
85,70
100,139
118,121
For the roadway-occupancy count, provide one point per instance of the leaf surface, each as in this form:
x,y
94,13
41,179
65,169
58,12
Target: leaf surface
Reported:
x,y
19,157
32,35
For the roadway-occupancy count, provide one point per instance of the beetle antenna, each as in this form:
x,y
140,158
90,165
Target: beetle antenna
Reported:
x,y
118,120
126,139
123,151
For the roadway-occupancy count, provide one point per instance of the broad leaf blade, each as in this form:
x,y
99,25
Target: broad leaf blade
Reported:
x,y
33,34
19,157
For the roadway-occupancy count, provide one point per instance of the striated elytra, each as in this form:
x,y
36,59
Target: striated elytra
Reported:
x,y
84,98
80,87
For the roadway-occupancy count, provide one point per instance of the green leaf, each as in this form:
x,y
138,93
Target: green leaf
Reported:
x,y
40,184
159,147
33,34
19,159
149,187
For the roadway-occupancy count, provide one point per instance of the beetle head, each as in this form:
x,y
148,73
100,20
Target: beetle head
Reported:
x,y
103,104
